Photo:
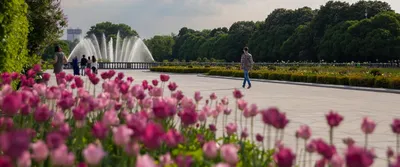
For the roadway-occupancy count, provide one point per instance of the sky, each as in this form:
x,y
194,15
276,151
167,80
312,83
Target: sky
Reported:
x,y
163,17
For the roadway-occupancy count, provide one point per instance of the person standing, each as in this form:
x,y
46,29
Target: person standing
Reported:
x,y
75,66
95,65
84,62
88,63
246,64
59,60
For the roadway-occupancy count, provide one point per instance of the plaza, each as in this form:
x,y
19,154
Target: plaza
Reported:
x,y
302,105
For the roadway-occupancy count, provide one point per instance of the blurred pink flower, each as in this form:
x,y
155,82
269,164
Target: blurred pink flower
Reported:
x,y
24,160
5,161
368,125
121,135
152,136
389,152
156,92
172,86
110,118
93,154
225,101
46,77
197,96
311,147
348,141
79,113
37,68
212,128
304,132
213,96
39,151
54,140
244,134
242,104
202,116
324,149
154,82
259,137
189,116
64,130
229,153
227,111
99,130
284,157
61,157
6,123
11,103
358,157
237,94
132,149
145,161
210,149
58,118
231,128
173,138
166,160
120,75
333,119
14,143
396,126
164,77
337,161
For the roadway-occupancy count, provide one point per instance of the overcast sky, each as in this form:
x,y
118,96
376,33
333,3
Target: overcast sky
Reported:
x,y
156,17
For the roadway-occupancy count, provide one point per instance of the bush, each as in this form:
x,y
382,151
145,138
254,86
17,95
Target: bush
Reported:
x,y
272,68
293,69
394,83
375,72
381,82
13,35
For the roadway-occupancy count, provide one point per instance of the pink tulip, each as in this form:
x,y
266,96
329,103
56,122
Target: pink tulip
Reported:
x,y
304,132
242,104
311,147
189,116
39,151
79,113
6,123
396,126
358,157
212,128
164,77
284,158
231,128
333,119
64,130
173,138
154,82
120,75
172,86
54,140
110,118
210,149
203,116
225,101
14,143
222,165
197,96
237,94
61,156
244,134
11,103
259,138
99,130
121,135
24,160
152,136
58,119
227,111
145,161
348,141
166,160
324,149
93,154
213,96
337,161
5,161
368,125
229,154
389,152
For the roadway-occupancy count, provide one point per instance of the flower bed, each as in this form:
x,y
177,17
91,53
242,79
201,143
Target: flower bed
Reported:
x,y
335,78
137,125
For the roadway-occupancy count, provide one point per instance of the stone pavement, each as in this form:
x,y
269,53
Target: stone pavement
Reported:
x,y
303,105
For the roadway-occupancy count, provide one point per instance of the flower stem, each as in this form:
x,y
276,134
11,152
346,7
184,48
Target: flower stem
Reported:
x,y
251,129
305,153
398,143
366,141
269,137
331,135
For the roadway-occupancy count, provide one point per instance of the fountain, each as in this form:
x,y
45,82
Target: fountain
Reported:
x,y
132,49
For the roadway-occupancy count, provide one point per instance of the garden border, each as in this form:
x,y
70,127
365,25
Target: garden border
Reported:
x,y
346,87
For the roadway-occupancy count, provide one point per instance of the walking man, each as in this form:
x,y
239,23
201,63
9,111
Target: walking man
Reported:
x,y
246,63
83,64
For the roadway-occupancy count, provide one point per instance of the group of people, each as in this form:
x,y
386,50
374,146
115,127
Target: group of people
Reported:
x,y
85,63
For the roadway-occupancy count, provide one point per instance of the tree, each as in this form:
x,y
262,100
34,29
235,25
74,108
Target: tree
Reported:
x,y
47,21
160,47
111,30
13,35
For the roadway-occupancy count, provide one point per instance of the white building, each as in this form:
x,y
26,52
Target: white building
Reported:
x,y
73,34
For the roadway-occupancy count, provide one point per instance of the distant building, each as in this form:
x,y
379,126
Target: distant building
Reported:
x,y
73,34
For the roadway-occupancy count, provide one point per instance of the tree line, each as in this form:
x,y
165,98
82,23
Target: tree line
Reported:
x,y
366,31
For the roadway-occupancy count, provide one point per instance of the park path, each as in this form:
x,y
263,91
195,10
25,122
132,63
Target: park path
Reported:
x,y
303,105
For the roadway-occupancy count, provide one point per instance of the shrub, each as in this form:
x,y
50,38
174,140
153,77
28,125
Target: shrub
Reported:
x,y
293,69
381,82
342,80
361,81
298,78
394,83
312,78
375,72
272,68
13,35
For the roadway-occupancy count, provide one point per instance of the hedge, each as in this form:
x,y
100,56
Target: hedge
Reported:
x,y
352,80
14,29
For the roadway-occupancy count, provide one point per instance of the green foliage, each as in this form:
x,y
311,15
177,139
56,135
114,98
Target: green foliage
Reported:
x,y
50,51
13,35
111,30
336,32
46,24
160,47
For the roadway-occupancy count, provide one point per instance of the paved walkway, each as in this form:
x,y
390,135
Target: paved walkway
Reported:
x,y
303,105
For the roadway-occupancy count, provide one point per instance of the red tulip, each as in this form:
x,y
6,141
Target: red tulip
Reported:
x,y
54,140
42,113
358,157
304,132
237,94
324,149
5,161
14,143
99,130
396,126
333,119
189,116
172,86
284,158
173,138
11,103
368,125
164,77
46,77
154,82
152,136
120,75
